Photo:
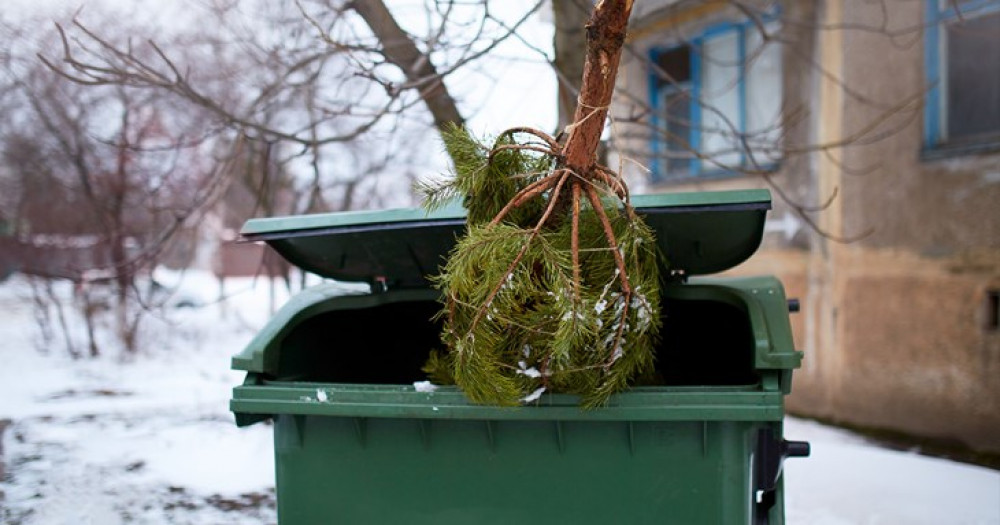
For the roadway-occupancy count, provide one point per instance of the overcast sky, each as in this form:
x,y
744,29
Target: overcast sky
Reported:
x,y
518,90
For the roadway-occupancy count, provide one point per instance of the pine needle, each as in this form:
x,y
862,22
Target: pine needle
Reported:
x,y
532,301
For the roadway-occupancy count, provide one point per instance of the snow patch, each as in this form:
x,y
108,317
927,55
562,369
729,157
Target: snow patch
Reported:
x,y
424,386
534,395
530,372
619,352
600,306
571,315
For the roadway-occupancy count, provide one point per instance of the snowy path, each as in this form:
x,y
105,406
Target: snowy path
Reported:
x,y
148,441
849,481
151,441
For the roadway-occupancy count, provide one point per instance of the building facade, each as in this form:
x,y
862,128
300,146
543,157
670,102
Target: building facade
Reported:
x,y
877,128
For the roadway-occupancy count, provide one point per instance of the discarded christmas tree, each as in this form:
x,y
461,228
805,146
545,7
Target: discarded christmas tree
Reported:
x,y
555,285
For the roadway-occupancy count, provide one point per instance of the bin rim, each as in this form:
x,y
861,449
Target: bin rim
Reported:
x,y
699,233
762,297
257,400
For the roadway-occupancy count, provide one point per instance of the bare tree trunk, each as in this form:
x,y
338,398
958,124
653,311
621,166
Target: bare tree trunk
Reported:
x,y
63,325
4,423
115,217
43,317
123,281
605,37
570,45
400,50
89,311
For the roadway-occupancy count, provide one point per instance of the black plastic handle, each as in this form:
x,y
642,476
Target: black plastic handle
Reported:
x,y
796,449
769,457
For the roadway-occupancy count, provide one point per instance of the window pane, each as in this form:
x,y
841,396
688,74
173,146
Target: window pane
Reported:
x,y
675,65
764,93
673,90
972,54
676,116
720,99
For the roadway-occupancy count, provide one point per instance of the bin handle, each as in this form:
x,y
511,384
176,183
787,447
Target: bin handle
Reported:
x,y
768,462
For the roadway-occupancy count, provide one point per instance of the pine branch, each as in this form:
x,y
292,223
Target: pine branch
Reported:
x,y
548,290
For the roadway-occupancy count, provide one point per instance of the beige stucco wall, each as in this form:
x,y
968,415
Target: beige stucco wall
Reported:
x,y
913,350
892,325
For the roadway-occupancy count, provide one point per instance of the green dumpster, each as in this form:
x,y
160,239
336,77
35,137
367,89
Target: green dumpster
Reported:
x,y
358,438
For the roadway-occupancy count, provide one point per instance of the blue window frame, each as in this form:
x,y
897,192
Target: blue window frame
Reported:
x,y
715,103
962,69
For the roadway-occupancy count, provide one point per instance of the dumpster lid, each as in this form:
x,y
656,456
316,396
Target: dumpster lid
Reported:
x,y
699,232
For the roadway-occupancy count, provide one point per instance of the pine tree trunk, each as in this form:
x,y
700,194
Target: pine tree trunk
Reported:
x,y
555,285
605,37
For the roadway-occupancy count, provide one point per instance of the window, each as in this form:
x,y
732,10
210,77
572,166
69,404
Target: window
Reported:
x,y
716,102
673,98
992,311
962,63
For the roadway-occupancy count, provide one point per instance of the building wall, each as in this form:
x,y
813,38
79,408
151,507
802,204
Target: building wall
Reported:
x,y
914,350
893,324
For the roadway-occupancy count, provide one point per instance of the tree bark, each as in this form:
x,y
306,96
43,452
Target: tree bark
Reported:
x,y
400,50
605,37
4,423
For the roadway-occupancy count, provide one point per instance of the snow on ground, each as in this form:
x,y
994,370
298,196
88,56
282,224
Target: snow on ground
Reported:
x,y
149,440
849,481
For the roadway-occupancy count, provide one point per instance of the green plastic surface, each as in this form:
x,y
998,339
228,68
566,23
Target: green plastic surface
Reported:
x,y
762,299
443,472
398,401
264,350
386,453
351,451
700,233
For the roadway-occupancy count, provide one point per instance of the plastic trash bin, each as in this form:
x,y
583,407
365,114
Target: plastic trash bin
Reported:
x,y
356,441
